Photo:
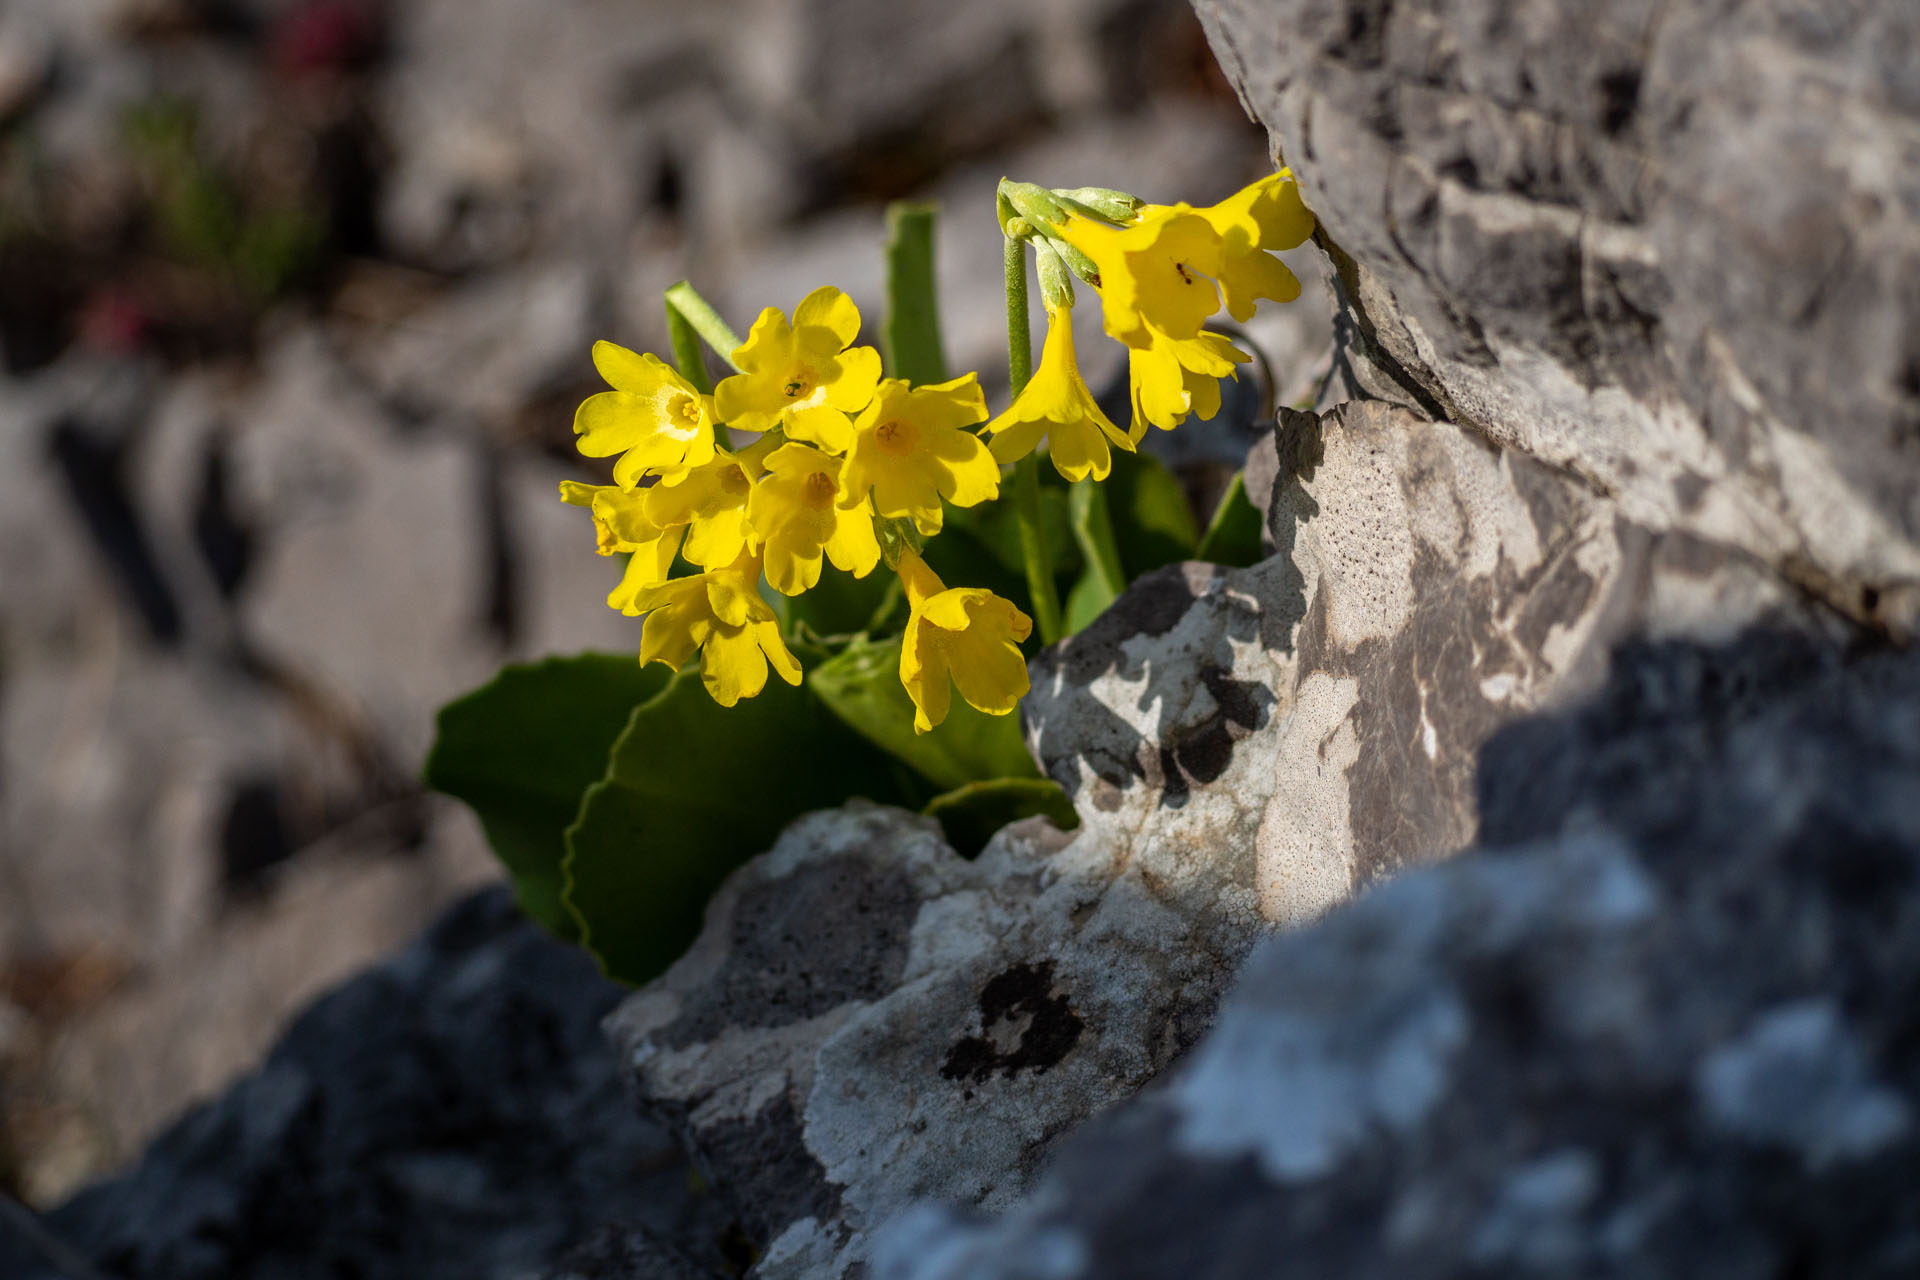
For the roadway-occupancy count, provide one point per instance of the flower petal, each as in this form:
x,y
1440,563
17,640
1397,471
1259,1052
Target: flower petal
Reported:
x,y
829,308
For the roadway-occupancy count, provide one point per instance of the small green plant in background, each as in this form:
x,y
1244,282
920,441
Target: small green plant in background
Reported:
x,y
820,556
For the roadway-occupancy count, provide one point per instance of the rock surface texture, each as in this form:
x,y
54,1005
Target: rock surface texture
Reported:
x,y
1670,248
1662,1025
454,1112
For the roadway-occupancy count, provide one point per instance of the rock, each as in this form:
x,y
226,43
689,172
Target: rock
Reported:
x,y
453,1112
1660,1025
375,575
1668,248
867,1017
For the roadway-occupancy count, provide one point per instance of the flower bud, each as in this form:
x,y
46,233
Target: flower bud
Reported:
x,y
1077,262
1105,202
1056,285
1036,204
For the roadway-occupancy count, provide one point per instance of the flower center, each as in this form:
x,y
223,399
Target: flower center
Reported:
x,y
800,384
734,481
821,490
896,436
686,410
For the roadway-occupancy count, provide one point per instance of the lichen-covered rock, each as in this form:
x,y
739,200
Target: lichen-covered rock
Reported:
x,y
868,1017
1670,248
1663,1027
1443,587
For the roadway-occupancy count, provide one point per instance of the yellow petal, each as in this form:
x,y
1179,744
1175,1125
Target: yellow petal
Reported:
x,y
854,385
821,424
767,635
853,548
828,308
1245,277
733,665
627,370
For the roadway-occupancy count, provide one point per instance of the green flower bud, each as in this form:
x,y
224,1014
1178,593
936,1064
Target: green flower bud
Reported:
x,y
1036,204
1077,262
1105,202
1056,285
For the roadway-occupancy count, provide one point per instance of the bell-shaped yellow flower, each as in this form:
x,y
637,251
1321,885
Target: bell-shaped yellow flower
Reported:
x,y
910,448
711,501
794,515
1261,217
1170,379
620,521
1056,405
653,418
960,636
788,369
720,615
1156,273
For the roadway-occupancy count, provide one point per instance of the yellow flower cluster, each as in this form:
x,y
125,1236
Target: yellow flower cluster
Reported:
x,y
838,445
840,450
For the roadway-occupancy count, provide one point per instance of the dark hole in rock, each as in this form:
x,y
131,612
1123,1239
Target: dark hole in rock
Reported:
x,y
1023,1026
253,836
91,467
223,538
1619,98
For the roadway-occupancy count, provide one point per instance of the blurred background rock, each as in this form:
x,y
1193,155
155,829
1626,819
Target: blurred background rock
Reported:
x,y
296,297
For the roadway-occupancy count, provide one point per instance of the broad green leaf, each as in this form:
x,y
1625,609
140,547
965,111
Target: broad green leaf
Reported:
x,y
910,335
840,603
692,790
970,815
862,686
1152,520
1087,601
1234,535
522,750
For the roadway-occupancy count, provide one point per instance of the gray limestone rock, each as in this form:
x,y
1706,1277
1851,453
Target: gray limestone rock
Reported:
x,y
868,1017
1669,248
1662,1025
452,1112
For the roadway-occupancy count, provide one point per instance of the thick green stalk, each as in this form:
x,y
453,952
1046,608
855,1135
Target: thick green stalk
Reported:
x,y
706,322
690,318
910,338
1026,472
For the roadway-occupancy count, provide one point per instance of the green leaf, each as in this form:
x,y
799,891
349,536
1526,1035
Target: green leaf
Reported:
x,y
839,602
862,686
1152,520
970,815
1105,577
1234,536
692,790
522,749
910,335
1087,601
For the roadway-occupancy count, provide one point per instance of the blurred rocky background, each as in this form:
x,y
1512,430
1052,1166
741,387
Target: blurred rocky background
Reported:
x,y
296,298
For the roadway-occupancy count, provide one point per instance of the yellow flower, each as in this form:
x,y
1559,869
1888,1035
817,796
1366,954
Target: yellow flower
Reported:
x,y
793,516
620,521
712,501
1263,216
910,447
720,615
964,636
789,369
1171,379
653,417
1057,405
1158,272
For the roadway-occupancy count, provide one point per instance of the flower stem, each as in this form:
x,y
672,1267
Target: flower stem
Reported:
x,y
1026,472
690,318
706,322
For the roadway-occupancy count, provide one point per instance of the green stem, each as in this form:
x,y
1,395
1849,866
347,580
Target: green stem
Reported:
x,y
687,356
706,322
1026,472
1093,530
690,318
910,337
